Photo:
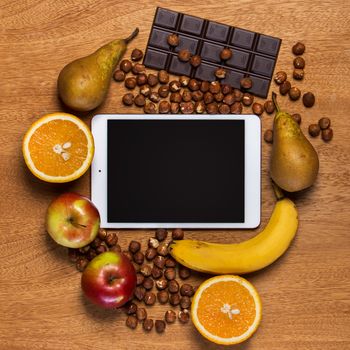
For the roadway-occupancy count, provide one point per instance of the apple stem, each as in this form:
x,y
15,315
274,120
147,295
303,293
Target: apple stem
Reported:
x,y
71,220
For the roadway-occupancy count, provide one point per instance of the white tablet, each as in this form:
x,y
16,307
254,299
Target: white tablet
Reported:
x,y
185,171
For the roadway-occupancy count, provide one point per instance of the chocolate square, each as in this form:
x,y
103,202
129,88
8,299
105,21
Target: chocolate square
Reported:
x,y
159,38
243,38
192,25
260,86
268,45
187,43
211,52
178,67
262,65
239,59
166,18
218,32
206,72
233,78
155,59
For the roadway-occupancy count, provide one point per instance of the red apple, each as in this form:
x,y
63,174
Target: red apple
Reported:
x,y
72,220
109,280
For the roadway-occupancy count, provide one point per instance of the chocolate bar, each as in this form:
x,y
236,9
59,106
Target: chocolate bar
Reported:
x,y
254,54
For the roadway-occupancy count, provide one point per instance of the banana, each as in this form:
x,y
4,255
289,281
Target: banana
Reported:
x,y
248,256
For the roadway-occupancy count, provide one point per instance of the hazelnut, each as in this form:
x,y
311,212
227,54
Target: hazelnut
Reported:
x,y
111,239
139,258
197,95
177,234
314,130
175,97
187,107
224,109
170,262
154,97
91,254
139,278
324,123
153,243
136,55
186,95
119,75
141,314
184,272
139,292
101,249
186,290
185,302
159,261
173,286
308,99
130,308
214,87
258,108
195,61
141,79
163,77
145,90
184,316
219,96
212,108
247,99
128,99
193,85
125,66
147,324
280,77
268,136
159,325
298,48
246,83
128,254
184,55
156,272
170,316
162,283
269,107
163,249
238,95
152,80
298,74
299,62
150,253
205,86
220,73
294,93
73,254
208,97
139,100
134,246
184,80
148,283
199,107
130,83
116,248
164,107
149,298
131,322
173,40
150,108
146,270
102,234
327,134
163,91
174,107
81,263
170,273
163,296
174,86
161,234
225,54
226,89
138,68
174,299
297,117
285,87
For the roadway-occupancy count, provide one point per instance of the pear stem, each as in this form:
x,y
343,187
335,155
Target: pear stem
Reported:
x,y
278,191
132,35
274,100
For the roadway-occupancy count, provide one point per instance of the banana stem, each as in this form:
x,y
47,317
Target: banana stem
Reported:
x,y
132,35
278,191
274,99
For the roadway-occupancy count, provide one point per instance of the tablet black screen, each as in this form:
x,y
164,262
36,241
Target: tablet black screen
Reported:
x,y
176,171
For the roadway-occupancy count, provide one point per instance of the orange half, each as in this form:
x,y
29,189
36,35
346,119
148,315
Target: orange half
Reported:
x,y
58,147
226,309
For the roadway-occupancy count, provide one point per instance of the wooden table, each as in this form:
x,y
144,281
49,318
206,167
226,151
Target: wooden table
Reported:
x,y
305,294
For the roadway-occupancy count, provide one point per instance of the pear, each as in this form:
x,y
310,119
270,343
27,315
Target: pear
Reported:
x,y
294,161
83,84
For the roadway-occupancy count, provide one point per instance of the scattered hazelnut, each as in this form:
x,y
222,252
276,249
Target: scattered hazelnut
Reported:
x,y
163,249
324,123
163,77
220,73
164,107
84,250
91,254
139,258
327,134
170,273
130,83
134,246
285,87
101,249
139,292
162,283
258,108
193,85
73,254
187,107
294,93
163,296
148,324
185,302
146,270
280,77
125,66
139,100
195,61
152,80
139,278
159,261
186,95
297,117
214,87
150,253
138,68
81,263
237,94
130,308
177,234
131,322
247,99
184,272
298,74
308,99
102,234
225,54
205,86
163,91
136,55
150,108
212,108
156,272
208,97
184,55
246,83
175,97
119,75
268,136
314,130
128,254
161,234
159,325
170,316
184,316
174,86
111,239
148,283
224,109
219,96
116,248
141,314
186,290
174,299
174,108
173,286
149,298
197,95
298,48
141,79
184,80
173,40
153,242
128,99
170,262
226,89
299,62
145,90
154,97
269,107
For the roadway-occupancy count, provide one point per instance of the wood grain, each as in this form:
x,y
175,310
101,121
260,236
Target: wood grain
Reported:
x,y
305,294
